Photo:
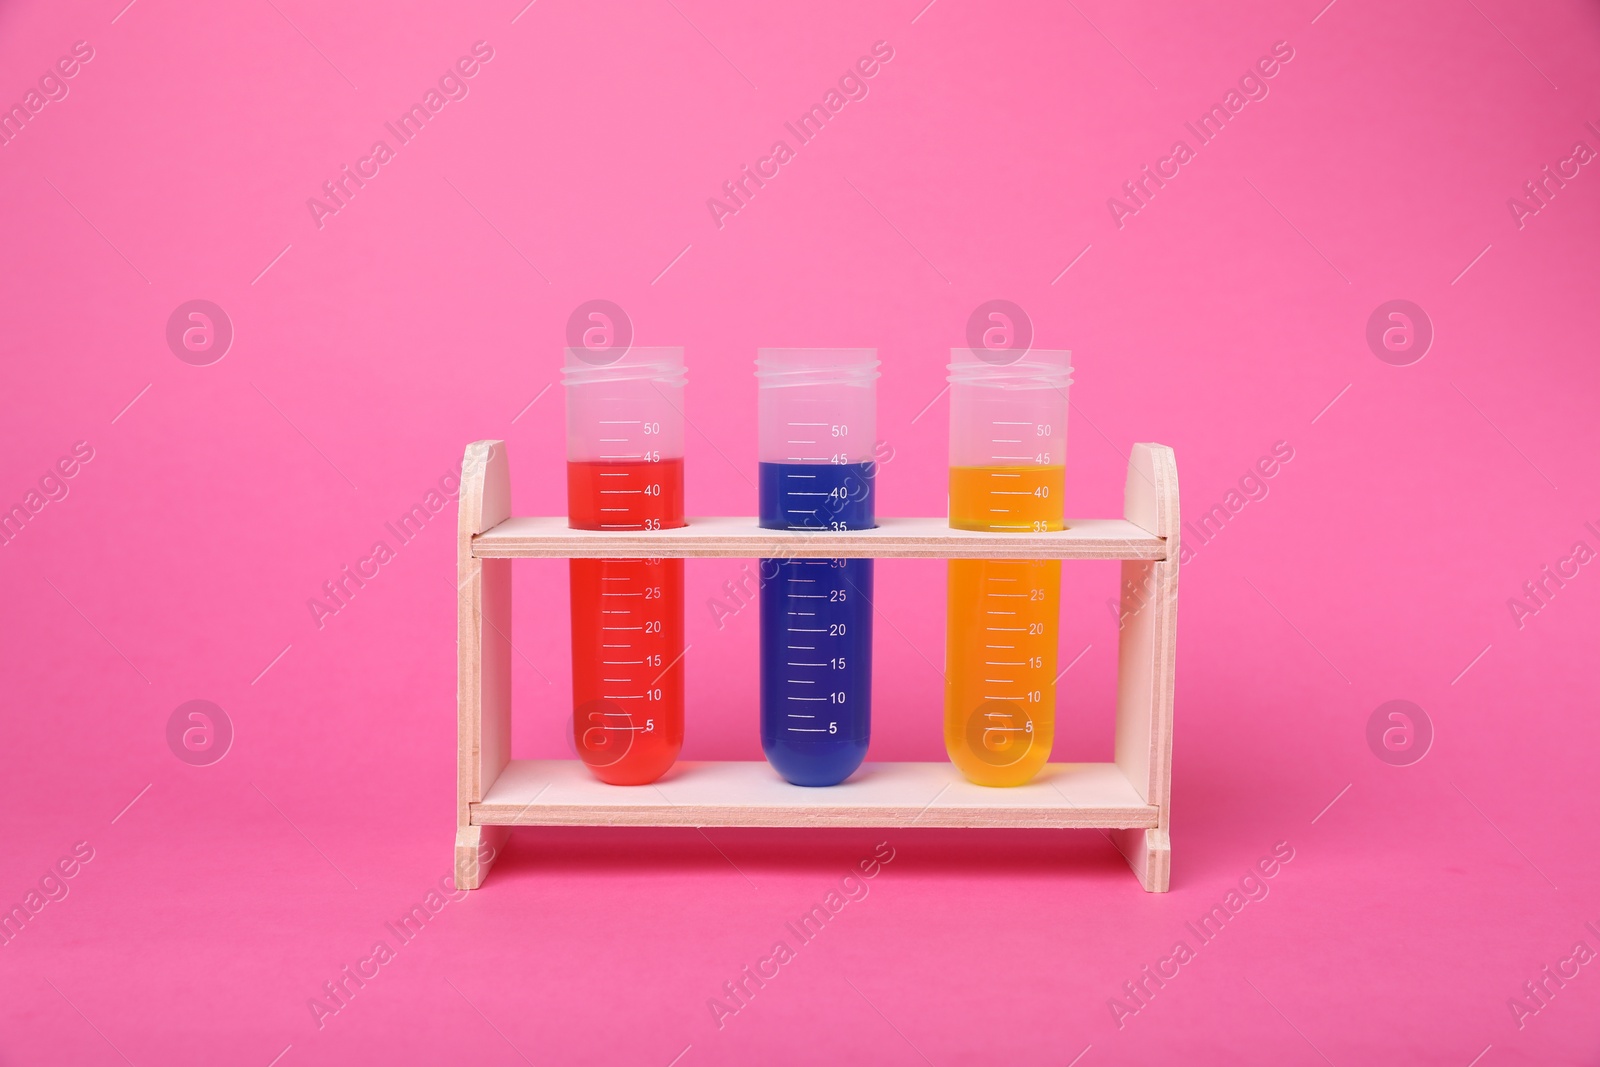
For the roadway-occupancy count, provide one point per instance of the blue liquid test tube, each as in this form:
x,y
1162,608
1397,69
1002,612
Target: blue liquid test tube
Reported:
x,y
817,415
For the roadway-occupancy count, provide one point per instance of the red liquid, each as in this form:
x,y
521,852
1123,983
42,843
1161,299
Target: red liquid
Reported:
x,y
625,496
627,625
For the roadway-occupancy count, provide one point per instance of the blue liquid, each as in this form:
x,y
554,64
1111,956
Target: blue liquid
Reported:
x,y
816,627
817,496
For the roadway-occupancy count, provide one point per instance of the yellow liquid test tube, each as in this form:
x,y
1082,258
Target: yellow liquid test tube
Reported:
x,y
1008,427
1001,634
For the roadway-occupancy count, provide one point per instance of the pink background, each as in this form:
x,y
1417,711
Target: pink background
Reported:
x,y
1222,318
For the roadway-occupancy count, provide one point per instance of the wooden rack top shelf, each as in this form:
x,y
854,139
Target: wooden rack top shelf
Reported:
x,y
739,538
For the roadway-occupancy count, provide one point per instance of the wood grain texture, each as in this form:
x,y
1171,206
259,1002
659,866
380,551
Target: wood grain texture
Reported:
x,y
564,793
483,629
741,538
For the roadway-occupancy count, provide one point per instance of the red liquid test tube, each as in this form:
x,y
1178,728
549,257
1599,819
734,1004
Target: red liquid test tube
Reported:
x,y
625,472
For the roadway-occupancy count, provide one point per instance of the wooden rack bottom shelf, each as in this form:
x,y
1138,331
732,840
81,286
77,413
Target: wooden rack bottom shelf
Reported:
x,y
892,795
564,793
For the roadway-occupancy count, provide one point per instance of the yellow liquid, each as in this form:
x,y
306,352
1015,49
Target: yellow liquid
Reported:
x,y
1002,629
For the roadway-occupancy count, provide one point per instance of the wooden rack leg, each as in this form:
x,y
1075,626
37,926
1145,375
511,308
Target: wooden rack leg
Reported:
x,y
477,847
483,658
1149,853
1146,661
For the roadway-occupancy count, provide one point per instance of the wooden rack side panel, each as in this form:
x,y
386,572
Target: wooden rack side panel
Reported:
x,y
1146,660
483,663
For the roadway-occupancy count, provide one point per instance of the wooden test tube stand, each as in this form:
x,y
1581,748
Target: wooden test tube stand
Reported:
x,y
1129,798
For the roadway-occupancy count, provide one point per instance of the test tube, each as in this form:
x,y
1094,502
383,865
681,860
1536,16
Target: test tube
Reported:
x,y
625,472
1008,438
817,417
